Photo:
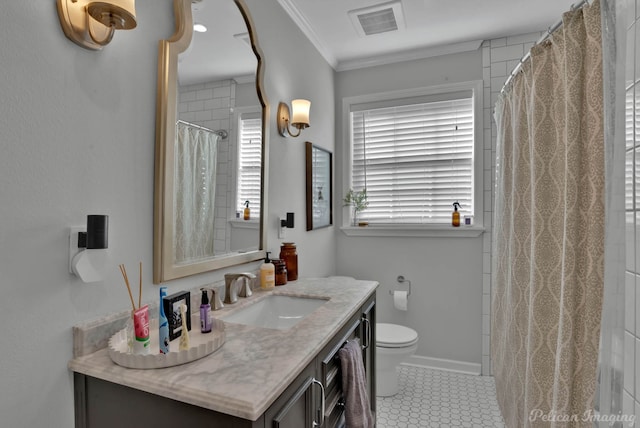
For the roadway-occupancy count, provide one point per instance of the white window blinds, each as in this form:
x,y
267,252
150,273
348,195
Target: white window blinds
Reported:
x,y
414,159
632,121
249,163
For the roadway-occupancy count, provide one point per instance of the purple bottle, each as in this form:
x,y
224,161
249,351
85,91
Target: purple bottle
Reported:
x,y
205,313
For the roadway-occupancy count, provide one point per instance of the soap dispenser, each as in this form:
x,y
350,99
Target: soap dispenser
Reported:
x,y
267,274
455,217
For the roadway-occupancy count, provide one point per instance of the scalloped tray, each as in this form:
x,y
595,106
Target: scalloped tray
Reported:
x,y
202,344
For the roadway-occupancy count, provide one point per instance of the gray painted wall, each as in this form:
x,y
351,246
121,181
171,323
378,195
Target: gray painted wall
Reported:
x,y
445,306
77,132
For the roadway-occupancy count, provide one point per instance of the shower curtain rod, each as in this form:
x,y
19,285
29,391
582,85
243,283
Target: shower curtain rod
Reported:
x,y
220,132
545,36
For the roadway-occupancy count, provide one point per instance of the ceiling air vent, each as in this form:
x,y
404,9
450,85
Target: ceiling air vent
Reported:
x,y
378,19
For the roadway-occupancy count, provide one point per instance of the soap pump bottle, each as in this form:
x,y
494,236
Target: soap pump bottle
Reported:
x,y
455,216
267,274
205,312
247,211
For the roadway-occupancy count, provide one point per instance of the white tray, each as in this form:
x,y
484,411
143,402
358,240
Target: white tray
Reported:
x,y
202,344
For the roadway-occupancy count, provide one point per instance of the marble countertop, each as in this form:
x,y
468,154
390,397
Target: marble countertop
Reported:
x,y
253,367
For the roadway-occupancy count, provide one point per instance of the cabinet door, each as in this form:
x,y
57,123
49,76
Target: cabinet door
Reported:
x,y
298,411
299,405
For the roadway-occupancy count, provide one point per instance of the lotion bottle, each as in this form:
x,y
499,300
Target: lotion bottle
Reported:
x,y
455,216
267,274
163,324
205,312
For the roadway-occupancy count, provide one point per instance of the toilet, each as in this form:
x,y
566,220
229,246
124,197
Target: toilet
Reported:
x,y
394,344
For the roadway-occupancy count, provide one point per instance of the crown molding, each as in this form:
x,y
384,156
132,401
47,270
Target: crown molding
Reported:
x,y
304,25
356,63
408,55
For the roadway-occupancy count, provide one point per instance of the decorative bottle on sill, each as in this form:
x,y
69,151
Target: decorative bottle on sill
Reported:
x,y
455,216
289,254
247,212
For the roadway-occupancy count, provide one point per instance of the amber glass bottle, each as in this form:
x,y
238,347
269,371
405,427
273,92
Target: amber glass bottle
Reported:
x,y
455,216
281,271
289,254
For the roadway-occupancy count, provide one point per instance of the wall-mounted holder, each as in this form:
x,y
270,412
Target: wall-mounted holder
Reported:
x,y
84,259
91,24
401,279
285,223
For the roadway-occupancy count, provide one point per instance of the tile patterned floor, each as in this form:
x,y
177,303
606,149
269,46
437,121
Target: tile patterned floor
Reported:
x,y
430,398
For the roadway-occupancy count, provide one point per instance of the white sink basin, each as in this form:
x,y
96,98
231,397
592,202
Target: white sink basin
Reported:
x,y
276,311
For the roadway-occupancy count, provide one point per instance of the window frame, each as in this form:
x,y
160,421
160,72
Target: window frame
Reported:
x,y
419,230
238,112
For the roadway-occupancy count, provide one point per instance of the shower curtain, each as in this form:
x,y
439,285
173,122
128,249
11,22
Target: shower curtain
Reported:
x,y
194,188
548,230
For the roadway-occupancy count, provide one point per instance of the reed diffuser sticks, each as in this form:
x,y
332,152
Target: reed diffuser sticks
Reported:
x,y
123,270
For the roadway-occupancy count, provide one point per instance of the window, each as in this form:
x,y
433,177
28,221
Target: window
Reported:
x,y
416,154
249,162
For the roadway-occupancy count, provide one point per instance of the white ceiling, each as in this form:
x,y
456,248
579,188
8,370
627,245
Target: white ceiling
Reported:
x,y
432,27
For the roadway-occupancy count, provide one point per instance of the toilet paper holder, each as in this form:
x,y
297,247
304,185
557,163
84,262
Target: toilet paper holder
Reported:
x,y
401,279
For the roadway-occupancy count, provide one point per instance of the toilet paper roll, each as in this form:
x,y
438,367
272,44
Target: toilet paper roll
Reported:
x,y
400,300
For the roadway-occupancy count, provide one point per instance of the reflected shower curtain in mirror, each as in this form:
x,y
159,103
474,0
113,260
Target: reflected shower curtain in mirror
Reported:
x,y
548,230
194,187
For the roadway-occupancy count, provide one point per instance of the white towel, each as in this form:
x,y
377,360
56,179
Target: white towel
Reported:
x,y
354,386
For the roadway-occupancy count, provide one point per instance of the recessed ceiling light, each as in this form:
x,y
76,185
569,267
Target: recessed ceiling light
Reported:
x,y
199,28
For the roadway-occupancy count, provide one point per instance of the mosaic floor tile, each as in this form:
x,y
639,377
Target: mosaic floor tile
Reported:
x,y
429,398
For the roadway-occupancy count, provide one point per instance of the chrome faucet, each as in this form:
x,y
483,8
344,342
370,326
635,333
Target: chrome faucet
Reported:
x,y
230,286
216,303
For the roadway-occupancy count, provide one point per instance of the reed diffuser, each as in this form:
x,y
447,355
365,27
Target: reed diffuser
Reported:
x,y
140,315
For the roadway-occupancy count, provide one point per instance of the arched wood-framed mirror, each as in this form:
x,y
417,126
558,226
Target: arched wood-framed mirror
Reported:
x,y
223,237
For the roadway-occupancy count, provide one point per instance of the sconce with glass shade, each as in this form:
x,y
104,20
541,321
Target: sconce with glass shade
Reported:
x,y
299,119
91,24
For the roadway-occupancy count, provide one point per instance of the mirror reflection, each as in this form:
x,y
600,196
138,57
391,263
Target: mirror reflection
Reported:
x,y
210,179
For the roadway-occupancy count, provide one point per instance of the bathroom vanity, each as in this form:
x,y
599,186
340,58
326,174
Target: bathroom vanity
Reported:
x,y
261,377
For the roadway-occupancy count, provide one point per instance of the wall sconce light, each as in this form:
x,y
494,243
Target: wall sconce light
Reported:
x,y
91,24
87,264
299,119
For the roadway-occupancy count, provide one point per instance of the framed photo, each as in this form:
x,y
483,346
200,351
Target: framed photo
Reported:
x,y
319,187
172,311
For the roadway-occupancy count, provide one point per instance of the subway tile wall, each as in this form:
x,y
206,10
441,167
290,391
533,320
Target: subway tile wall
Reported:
x,y
631,383
499,58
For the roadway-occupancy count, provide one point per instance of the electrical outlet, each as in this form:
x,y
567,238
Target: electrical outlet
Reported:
x,y
73,243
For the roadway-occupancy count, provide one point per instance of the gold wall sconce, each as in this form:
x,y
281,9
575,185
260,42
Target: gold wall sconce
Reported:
x,y
299,119
91,24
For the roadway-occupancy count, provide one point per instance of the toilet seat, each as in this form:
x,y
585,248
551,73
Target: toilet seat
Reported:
x,y
395,336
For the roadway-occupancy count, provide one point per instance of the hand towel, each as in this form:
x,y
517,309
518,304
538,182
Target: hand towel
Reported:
x,y
354,386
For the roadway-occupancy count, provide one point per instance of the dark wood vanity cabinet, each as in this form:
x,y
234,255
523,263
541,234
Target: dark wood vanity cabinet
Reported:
x,y
100,403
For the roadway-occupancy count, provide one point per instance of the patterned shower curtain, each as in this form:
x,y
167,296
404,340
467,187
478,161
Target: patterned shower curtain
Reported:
x,y
548,231
195,191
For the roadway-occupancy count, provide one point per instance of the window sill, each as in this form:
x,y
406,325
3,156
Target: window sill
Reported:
x,y
415,231
244,224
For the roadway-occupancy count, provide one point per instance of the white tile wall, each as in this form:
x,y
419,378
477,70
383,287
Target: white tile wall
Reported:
x,y
631,396
499,57
209,105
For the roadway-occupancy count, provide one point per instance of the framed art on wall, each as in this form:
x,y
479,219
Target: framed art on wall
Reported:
x,y
319,187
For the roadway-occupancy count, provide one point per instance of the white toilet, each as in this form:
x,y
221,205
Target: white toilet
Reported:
x,y
394,344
